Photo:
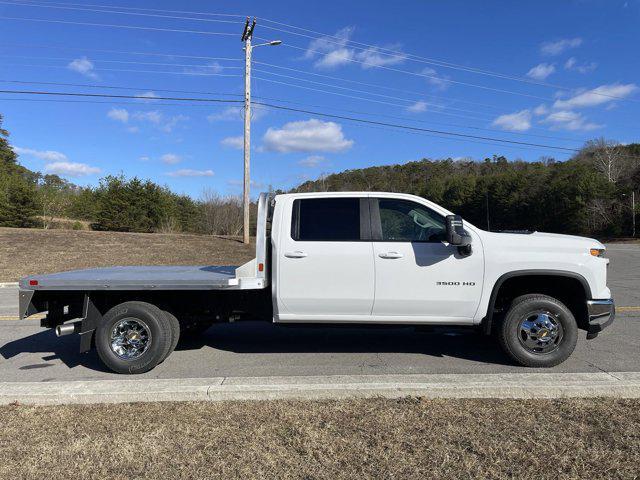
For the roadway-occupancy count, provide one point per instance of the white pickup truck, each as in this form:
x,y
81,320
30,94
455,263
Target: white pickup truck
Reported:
x,y
344,258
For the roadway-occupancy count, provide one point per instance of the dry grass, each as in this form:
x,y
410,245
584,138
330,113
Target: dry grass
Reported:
x,y
25,251
410,438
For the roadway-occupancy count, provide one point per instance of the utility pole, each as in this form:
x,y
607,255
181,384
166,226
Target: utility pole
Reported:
x,y
246,38
247,35
633,213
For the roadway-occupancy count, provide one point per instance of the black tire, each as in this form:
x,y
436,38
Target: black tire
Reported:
x,y
512,338
175,332
159,339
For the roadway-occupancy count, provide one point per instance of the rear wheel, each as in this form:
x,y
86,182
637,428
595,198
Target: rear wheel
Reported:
x,y
538,331
133,337
175,332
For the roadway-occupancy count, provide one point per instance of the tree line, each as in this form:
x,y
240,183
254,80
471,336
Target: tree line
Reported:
x,y
590,194
33,199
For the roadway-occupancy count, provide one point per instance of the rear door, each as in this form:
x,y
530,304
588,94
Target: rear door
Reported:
x,y
325,260
418,277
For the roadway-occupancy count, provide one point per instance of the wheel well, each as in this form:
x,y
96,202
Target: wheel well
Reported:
x,y
568,289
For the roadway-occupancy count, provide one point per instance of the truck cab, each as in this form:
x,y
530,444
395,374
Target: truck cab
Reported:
x,y
346,258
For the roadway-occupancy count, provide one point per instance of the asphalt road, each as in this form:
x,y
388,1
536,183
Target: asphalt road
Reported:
x,y
30,353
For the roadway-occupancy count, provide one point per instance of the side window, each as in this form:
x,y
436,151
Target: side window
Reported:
x,y
406,221
326,219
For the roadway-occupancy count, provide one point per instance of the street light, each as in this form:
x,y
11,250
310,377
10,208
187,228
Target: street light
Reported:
x,y
633,212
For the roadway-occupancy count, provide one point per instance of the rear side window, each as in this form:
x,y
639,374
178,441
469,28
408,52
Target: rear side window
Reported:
x,y
326,219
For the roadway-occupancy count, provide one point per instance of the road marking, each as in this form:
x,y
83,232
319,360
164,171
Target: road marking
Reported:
x,y
628,309
11,318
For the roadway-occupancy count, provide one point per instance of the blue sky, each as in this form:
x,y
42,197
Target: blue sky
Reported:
x,y
555,73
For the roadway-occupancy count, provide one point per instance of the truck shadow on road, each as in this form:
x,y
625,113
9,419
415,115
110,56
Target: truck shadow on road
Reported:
x,y
64,349
264,338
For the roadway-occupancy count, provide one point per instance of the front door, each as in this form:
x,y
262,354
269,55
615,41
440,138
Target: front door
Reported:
x,y
325,263
417,275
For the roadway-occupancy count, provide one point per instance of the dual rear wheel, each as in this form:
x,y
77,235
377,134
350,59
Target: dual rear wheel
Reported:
x,y
134,337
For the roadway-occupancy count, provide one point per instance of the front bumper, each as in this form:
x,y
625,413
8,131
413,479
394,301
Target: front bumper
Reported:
x,y
601,315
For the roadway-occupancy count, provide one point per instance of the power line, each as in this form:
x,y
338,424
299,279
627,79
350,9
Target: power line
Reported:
x,y
420,59
145,9
369,100
193,74
395,117
116,12
423,75
327,37
117,87
121,52
105,95
417,129
199,65
412,101
132,27
311,112
366,84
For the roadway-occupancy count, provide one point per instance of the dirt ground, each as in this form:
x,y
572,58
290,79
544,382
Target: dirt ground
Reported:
x,y
409,438
26,251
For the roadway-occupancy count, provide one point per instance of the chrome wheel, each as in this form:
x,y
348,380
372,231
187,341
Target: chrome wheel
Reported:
x,y
540,332
130,338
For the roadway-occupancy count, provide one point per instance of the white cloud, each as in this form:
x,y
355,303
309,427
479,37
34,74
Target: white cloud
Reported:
x,y
435,79
332,51
572,64
233,142
187,172
118,114
312,161
208,69
516,122
84,66
144,158
306,136
418,107
171,158
71,169
335,58
597,96
541,71
159,120
48,155
541,109
560,46
569,120
374,57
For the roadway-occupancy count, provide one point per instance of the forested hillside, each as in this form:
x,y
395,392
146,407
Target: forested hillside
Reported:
x,y
589,194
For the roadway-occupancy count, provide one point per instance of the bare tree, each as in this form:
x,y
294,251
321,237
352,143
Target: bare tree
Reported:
x,y
607,156
221,215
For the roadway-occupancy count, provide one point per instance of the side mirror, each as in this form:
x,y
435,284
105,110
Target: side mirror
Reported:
x,y
456,235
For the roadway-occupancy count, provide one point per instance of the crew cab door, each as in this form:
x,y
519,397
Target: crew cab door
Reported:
x,y
417,275
325,260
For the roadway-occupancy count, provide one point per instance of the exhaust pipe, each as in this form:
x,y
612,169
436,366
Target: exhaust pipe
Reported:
x,y
68,329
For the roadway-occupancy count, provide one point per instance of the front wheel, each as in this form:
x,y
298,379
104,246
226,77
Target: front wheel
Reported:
x,y
538,331
133,337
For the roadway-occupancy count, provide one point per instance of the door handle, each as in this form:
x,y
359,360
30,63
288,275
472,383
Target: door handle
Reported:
x,y
390,255
296,254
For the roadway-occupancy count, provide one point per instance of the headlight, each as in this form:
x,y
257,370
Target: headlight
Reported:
x,y
597,252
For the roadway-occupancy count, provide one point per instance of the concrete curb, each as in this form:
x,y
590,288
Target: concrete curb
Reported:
x,y
8,284
511,385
